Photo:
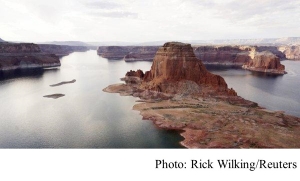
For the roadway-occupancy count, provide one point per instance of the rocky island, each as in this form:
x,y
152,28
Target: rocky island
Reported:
x,y
178,93
24,56
264,62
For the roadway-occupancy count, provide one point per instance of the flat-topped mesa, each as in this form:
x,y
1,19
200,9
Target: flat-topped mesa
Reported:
x,y
265,62
175,69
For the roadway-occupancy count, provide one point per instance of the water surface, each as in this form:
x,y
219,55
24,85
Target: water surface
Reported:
x,y
275,92
86,117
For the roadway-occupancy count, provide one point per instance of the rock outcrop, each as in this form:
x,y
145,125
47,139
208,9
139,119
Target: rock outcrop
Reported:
x,y
176,70
265,62
25,55
61,50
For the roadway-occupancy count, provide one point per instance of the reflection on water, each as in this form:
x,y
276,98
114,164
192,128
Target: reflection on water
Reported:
x,y
19,73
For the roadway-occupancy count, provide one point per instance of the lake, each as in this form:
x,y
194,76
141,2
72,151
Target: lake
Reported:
x,y
87,117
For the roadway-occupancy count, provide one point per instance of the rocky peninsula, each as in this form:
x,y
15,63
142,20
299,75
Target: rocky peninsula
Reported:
x,y
179,93
25,56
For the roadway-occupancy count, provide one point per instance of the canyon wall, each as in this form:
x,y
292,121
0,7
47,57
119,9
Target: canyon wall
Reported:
x,y
290,52
217,54
226,55
128,53
25,55
19,48
62,50
234,55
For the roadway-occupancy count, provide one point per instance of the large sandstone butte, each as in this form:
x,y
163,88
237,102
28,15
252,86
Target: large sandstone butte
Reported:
x,y
176,70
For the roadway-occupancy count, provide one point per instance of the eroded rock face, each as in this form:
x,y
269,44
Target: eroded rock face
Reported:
x,y
24,56
265,62
176,69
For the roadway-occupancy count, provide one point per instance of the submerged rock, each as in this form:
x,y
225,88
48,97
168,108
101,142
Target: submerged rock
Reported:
x,y
54,96
64,82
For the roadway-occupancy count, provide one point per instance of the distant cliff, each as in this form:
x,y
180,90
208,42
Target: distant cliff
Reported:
x,y
1,40
235,55
291,52
25,55
128,53
61,50
19,48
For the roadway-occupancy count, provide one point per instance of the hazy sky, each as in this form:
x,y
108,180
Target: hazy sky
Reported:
x,y
147,20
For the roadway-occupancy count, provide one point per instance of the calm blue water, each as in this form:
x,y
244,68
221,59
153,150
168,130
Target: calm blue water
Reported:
x,y
87,117
271,91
